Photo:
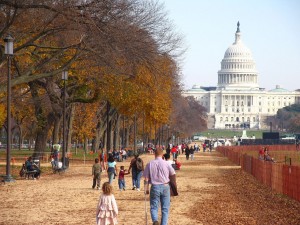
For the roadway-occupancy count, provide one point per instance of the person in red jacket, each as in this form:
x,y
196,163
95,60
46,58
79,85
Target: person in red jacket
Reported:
x,y
174,152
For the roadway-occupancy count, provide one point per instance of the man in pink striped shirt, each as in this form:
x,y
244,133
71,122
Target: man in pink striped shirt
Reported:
x,y
157,173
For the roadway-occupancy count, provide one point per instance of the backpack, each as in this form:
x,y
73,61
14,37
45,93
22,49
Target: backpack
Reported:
x,y
139,164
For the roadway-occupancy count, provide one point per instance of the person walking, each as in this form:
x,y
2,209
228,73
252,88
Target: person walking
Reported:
x,y
96,172
107,209
157,173
174,152
192,151
137,166
121,180
111,168
187,152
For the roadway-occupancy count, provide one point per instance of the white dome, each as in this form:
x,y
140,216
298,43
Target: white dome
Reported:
x,y
238,70
238,50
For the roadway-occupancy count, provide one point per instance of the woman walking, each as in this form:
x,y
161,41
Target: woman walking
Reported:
x,y
111,168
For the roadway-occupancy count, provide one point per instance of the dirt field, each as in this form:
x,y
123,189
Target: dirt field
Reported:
x,y
211,191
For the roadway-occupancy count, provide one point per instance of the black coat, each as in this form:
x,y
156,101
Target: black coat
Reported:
x,y
187,151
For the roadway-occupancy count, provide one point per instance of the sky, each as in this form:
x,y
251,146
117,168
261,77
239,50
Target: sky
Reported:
x,y
269,28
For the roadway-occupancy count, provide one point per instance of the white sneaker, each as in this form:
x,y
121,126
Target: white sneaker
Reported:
x,y
138,189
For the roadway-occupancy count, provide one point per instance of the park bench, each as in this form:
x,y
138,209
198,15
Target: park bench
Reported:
x,y
24,173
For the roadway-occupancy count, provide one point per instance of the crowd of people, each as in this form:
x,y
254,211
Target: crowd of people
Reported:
x,y
159,179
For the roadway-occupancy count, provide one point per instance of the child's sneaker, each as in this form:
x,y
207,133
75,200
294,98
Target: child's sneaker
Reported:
x,y
138,189
124,189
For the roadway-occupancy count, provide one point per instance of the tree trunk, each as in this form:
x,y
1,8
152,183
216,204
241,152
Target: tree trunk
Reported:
x,y
20,137
126,140
44,118
70,126
56,128
86,143
98,136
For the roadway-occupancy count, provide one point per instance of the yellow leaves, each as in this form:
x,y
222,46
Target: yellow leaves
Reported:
x,y
85,120
2,114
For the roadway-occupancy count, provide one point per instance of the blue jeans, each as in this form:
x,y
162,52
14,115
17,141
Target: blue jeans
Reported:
x,y
174,155
160,194
136,177
111,176
121,184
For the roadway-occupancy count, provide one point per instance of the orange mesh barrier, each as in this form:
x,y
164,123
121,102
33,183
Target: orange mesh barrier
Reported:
x,y
281,178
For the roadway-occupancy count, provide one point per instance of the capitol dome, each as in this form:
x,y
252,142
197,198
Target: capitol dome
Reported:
x,y
238,70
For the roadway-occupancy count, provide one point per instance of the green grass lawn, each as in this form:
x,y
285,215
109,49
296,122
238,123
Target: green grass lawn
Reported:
x,y
22,154
231,133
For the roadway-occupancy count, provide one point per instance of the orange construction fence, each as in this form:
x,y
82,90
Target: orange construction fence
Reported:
x,y
284,179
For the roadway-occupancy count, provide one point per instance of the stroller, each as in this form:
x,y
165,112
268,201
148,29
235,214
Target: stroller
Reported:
x,y
57,166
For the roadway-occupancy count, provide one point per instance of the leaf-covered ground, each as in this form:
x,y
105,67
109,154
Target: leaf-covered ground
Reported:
x,y
212,190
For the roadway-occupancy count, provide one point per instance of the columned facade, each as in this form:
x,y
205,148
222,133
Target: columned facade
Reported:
x,y
237,101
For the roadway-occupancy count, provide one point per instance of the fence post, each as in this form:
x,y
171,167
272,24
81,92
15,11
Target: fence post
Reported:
x,y
290,161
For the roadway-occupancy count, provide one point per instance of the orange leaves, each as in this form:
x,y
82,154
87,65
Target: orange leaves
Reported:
x,y
85,120
2,114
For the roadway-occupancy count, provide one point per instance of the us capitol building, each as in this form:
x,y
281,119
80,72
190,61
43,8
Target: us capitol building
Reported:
x,y
238,101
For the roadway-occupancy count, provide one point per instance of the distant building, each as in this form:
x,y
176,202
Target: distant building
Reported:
x,y
238,101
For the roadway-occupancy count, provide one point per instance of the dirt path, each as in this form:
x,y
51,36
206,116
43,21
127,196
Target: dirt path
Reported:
x,y
211,191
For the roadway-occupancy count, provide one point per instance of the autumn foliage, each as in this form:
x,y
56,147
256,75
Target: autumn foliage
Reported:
x,y
119,52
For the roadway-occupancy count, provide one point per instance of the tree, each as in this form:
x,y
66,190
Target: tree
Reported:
x,y
188,116
92,40
289,115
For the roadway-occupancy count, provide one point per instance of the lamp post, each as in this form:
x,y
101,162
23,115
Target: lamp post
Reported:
x,y
9,51
64,78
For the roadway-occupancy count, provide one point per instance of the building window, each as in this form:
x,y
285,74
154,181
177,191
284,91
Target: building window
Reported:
x,y
221,119
253,119
226,119
249,110
231,119
226,110
248,119
237,119
259,103
243,119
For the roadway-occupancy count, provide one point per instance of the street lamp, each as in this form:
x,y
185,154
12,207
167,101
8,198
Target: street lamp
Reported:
x,y
64,78
9,51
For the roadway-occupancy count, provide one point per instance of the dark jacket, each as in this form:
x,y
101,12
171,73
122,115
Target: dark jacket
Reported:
x,y
187,151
